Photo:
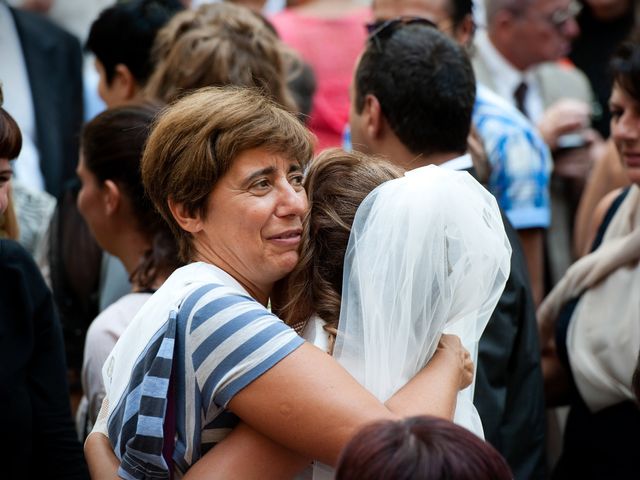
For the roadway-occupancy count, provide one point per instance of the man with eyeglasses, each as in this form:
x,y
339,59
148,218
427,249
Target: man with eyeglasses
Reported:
x,y
519,57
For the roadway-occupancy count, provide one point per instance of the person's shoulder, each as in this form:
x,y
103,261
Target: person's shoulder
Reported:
x,y
490,104
37,26
14,256
114,319
20,274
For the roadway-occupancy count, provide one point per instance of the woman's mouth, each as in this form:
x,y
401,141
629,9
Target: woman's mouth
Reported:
x,y
287,238
632,159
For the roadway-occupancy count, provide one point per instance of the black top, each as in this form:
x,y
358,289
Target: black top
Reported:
x,y
602,444
509,392
39,440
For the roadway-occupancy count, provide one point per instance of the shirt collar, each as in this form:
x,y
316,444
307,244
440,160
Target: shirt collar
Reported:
x,y
459,163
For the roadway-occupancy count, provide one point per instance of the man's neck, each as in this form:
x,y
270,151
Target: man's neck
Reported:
x,y
507,54
422,160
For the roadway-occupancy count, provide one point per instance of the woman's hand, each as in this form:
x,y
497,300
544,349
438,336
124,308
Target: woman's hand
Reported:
x,y
450,345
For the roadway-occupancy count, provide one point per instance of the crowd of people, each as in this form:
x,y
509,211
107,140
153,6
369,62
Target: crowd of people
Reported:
x,y
386,239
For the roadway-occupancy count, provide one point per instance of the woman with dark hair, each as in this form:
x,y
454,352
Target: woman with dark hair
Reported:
x,y
35,414
425,448
590,322
125,224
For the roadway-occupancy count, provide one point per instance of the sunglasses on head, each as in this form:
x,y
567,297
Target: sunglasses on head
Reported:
x,y
382,29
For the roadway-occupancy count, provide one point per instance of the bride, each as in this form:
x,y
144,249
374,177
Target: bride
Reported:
x,y
427,254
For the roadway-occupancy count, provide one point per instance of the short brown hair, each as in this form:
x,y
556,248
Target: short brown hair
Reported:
x,y
337,182
195,141
216,45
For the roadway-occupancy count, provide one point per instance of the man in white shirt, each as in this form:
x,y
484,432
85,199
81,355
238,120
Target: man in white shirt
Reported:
x,y
520,56
412,100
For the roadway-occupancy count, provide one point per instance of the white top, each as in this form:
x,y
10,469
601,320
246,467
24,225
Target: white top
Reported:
x,y
18,101
507,77
102,335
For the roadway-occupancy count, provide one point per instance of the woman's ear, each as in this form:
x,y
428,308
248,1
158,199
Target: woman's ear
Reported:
x,y
188,221
112,197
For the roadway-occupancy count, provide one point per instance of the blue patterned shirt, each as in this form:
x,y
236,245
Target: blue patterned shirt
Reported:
x,y
520,161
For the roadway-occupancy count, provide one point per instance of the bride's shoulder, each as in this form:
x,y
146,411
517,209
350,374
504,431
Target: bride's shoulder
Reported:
x,y
315,333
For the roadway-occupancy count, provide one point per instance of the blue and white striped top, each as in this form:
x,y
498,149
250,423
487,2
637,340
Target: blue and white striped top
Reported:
x,y
217,339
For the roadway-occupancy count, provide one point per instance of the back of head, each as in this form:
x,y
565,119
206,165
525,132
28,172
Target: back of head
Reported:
x,y
336,183
428,448
216,45
196,139
424,83
112,145
125,32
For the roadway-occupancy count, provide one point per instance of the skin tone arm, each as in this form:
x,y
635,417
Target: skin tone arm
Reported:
x,y
285,402
532,240
248,454
608,174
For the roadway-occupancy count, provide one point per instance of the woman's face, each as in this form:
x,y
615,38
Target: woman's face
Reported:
x,y
625,130
6,172
91,203
254,221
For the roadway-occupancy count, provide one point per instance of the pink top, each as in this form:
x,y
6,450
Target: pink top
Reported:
x,y
331,47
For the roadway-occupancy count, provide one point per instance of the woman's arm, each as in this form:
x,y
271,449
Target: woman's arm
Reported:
x,y
331,416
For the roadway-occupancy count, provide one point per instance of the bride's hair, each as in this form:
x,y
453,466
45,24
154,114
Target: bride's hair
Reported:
x,y
336,183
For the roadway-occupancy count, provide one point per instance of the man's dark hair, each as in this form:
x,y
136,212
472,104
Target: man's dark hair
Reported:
x,y
124,33
459,9
425,85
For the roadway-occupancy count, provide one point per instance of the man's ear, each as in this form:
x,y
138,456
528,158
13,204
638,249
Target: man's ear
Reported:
x,y
124,83
373,117
188,221
465,31
112,197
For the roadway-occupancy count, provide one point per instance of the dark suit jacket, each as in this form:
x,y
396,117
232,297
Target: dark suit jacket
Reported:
x,y
54,64
509,391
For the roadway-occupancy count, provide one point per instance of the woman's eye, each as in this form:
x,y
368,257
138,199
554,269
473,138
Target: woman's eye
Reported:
x,y
616,113
297,180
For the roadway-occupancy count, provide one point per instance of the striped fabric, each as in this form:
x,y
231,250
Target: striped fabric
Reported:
x,y
217,341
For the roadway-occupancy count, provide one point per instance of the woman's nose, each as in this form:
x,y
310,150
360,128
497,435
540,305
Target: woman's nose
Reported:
x,y
626,128
293,201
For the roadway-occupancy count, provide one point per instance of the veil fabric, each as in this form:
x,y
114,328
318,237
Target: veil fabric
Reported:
x,y
427,254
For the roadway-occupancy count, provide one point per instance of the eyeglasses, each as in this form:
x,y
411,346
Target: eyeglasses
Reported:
x,y
382,30
559,18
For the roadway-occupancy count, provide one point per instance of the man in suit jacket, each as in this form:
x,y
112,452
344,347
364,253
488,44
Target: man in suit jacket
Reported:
x,y
53,62
412,101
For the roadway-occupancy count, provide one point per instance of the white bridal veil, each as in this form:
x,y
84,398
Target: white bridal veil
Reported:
x,y
427,254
